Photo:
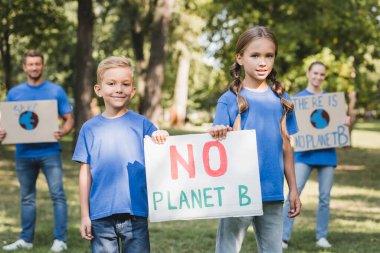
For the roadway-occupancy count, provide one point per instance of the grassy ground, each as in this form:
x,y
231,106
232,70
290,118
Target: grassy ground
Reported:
x,y
355,207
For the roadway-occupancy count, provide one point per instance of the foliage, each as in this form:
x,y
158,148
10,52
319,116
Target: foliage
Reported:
x,y
307,30
205,85
42,25
343,34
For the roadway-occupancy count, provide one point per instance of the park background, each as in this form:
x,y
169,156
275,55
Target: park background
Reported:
x,y
182,52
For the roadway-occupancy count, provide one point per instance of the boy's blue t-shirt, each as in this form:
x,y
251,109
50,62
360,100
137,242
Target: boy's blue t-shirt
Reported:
x,y
263,115
114,149
45,91
322,157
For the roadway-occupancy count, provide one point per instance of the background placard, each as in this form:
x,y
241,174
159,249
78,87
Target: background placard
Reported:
x,y
29,121
321,120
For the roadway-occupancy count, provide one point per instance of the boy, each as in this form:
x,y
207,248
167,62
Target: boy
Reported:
x,y
113,194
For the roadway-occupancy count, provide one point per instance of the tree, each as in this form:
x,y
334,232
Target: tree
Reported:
x,y
151,102
29,24
350,29
85,66
178,109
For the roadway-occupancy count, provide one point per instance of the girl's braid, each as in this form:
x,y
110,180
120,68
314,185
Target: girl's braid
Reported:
x,y
287,105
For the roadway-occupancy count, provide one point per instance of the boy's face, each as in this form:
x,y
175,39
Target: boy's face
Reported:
x,y
116,88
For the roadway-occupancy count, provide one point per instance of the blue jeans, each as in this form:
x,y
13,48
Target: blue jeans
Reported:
x,y
325,181
110,231
268,230
27,170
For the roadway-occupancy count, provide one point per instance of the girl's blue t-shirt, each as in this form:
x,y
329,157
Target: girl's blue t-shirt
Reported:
x,y
45,91
114,149
263,115
320,157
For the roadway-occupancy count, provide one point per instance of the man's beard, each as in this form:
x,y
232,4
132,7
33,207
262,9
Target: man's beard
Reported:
x,y
35,78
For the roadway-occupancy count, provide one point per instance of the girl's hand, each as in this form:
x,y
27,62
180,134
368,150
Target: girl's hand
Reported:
x,y
295,204
160,136
85,229
219,132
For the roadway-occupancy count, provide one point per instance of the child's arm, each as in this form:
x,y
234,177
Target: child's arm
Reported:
x,y
294,200
159,136
85,181
219,132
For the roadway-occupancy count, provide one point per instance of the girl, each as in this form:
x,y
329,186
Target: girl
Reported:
x,y
259,102
324,160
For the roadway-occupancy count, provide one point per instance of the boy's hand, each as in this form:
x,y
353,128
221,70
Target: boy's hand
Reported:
x,y
160,136
295,204
219,132
85,229
3,133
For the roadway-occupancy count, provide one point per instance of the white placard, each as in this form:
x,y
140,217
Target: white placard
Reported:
x,y
320,120
29,121
196,177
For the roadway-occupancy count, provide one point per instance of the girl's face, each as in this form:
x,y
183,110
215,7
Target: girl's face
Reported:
x,y
316,75
257,59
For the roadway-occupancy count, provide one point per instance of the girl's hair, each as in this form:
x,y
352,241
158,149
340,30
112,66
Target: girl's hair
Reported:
x,y
110,63
316,63
254,33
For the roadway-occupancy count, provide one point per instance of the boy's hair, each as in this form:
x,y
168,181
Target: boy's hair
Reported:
x,y
33,53
110,63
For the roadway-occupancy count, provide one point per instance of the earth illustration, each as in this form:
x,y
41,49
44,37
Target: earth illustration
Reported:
x,y
28,120
319,119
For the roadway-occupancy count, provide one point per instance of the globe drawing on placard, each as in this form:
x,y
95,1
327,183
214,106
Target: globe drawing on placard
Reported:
x,y
28,120
319,118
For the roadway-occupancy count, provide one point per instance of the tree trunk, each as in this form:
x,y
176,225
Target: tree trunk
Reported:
x,y
85,65
151,102
351,109
5,50
138,49
178,109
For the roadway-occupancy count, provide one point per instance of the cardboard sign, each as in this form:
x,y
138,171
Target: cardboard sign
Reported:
x,y
196,177
29,121
321,120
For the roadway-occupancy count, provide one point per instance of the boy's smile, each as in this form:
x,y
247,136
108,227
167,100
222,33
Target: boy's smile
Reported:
x,y
117,90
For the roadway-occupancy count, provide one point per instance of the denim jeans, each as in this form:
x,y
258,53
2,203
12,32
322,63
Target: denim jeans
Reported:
x,y
110,231
27,170
268,230
325,182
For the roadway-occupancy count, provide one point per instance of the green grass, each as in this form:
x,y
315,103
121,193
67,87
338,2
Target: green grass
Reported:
x,y
355,207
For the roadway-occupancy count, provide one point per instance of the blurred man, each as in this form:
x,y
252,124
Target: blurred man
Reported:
x,y
32,157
